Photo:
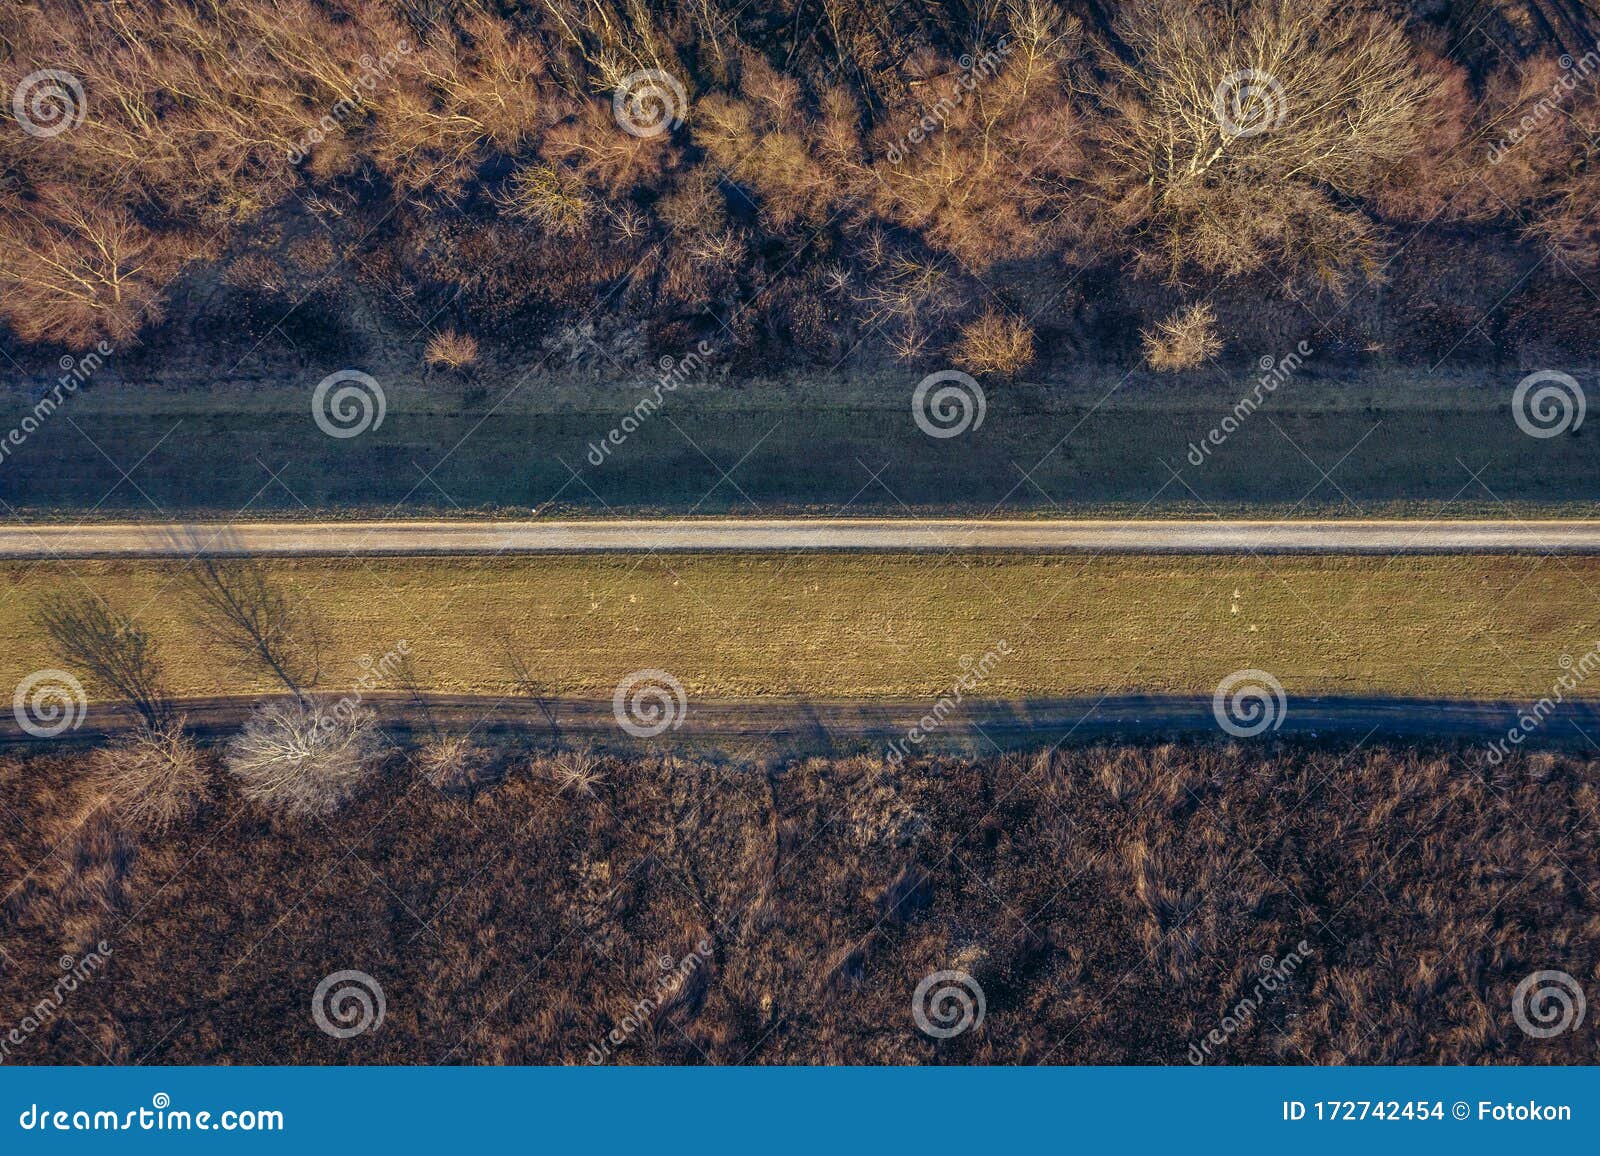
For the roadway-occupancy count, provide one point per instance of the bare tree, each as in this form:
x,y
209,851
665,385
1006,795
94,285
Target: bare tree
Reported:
x,y
304,756
117,654
1242,133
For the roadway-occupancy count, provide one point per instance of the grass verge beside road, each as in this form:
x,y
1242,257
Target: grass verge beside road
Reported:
x,y
842,626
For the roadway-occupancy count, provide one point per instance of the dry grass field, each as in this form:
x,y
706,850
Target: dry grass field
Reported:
x,y
1114,904
885,625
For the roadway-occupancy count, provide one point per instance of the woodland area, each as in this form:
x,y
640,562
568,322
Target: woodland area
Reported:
x,y
980,182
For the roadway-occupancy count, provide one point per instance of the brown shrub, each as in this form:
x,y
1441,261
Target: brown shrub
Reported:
x,y
997,343
1184,340
152,778
452,350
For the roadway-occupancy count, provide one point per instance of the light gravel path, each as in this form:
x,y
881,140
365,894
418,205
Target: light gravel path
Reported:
x,y
153,540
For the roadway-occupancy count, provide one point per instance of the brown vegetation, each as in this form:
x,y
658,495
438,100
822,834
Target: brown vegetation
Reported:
x,y
152,778
1183,341
820,173
1112,902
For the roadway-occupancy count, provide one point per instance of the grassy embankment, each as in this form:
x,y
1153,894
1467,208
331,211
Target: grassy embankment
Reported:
x,y
883,626
1396,441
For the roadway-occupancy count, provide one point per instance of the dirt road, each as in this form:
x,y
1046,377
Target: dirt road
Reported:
x,y
148,540
812,726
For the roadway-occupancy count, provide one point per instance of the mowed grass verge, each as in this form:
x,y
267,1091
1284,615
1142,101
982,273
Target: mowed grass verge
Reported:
x,y
847,626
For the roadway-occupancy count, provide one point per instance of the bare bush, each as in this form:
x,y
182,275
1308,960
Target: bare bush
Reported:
x,y
1186,339
579,771
452,350
996,343
452,763
548,197
151,778
305,756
